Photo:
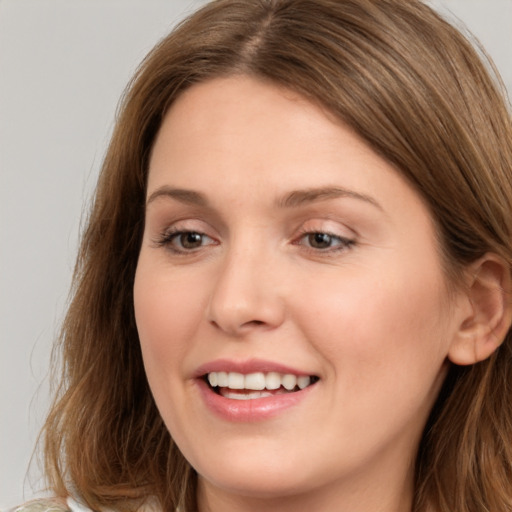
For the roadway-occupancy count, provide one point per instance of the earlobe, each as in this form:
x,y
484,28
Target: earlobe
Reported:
x,y
489,294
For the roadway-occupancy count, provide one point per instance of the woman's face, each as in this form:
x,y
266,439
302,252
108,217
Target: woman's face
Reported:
x,y
281,252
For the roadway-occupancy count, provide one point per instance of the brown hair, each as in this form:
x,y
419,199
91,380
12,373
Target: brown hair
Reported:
x,y
417,92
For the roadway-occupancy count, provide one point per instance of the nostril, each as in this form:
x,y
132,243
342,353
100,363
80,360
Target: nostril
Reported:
x,y
239,329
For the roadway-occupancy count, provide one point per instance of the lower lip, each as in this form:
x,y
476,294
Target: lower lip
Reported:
x,y
257,409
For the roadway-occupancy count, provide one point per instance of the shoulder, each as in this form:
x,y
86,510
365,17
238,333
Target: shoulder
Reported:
x,y
51,505
71,505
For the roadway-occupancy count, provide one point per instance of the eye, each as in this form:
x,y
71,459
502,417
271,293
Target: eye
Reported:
x,y
185,241
188,239
322,241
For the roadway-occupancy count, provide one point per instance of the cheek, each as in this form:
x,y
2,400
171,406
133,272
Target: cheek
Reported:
x,y
376,328
167,313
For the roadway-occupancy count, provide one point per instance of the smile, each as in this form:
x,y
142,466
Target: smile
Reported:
x,y
252,390
237,386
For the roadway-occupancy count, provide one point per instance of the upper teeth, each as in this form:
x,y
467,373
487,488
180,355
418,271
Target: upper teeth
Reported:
x,y
257,381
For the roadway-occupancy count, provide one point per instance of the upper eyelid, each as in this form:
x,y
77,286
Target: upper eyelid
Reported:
x,y
343,238
192,224
329,225
324,232
192,210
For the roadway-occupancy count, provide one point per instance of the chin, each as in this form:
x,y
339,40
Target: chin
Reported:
x,y
261,482
252,468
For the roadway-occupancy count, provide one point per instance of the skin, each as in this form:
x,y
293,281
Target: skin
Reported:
x,y
372,317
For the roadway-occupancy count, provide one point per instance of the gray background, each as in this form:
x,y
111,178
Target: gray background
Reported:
x,y
63,66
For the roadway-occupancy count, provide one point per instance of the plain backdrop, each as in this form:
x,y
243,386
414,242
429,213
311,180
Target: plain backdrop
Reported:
x,y
63,67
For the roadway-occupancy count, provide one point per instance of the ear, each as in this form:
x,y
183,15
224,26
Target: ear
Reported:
x,y
485,326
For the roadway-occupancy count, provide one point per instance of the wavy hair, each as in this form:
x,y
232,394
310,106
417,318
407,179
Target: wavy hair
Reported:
x,y
415,89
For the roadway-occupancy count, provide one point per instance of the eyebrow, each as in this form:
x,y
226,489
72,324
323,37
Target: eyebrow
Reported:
x,y
293,199
300,197
179,194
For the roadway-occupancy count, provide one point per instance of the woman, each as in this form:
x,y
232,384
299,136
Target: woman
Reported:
x,y
293,292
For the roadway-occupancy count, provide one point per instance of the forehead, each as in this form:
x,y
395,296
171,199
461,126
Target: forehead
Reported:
x,y
240,127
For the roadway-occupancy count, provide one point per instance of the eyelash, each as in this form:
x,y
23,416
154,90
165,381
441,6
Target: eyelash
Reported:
x,y
168,237
343,244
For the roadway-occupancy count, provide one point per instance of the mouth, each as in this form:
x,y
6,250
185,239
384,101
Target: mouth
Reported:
x,y
251,386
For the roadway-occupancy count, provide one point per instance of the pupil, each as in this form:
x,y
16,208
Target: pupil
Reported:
x,y
320,240
191,240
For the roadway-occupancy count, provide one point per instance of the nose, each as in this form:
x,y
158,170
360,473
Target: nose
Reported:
x,y
247,294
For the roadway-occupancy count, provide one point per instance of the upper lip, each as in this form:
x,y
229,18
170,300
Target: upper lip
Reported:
x,y
247,366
